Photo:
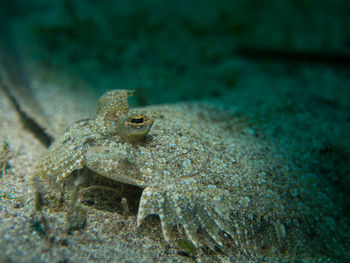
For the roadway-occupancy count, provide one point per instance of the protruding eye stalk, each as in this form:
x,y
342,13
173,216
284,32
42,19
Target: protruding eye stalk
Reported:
x,y
113,117
133,128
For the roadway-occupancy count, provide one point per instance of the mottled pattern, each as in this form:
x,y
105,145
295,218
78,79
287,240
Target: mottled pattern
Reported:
x,y
200,168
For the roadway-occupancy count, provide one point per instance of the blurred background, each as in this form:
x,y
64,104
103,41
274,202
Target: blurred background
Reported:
x,y
178,50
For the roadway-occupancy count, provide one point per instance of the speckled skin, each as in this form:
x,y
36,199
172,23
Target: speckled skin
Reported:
x,y
199,167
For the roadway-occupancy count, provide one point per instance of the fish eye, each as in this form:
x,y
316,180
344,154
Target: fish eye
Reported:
x,y
134,128
137,119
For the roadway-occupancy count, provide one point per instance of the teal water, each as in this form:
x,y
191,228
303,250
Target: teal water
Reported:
x,y
282,65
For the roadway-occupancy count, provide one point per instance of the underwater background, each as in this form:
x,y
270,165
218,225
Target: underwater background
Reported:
x,y
283,66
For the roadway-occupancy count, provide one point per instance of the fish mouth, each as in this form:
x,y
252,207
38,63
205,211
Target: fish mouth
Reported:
x,y
130,181
114,165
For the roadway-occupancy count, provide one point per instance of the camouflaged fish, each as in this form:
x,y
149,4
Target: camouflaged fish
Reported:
x,y
199,168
